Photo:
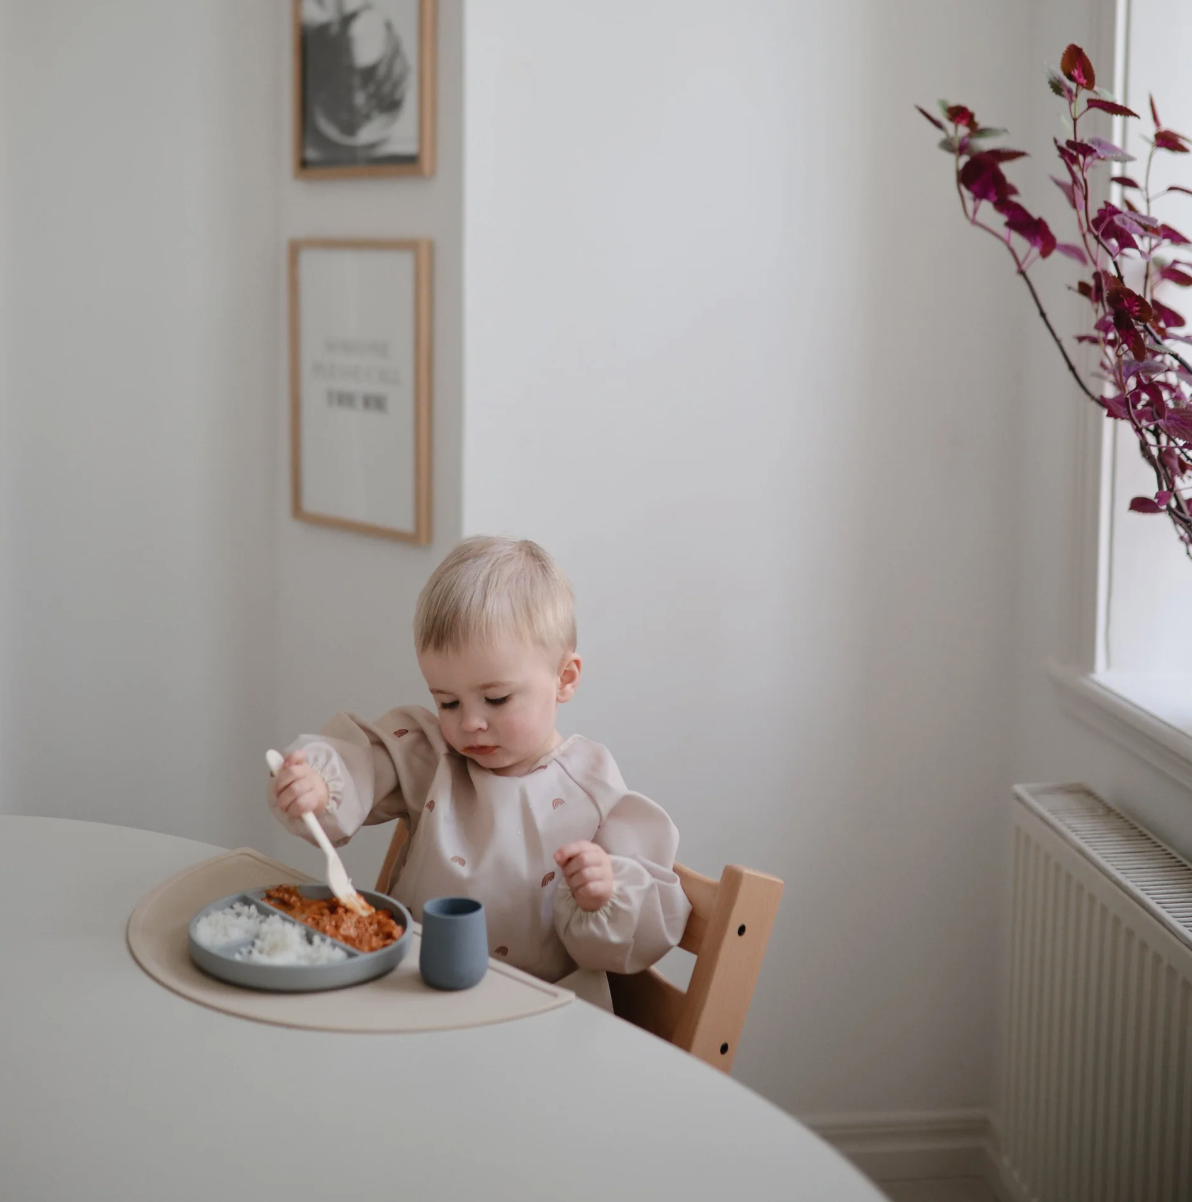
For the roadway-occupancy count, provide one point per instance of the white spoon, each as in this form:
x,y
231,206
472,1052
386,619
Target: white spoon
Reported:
x,y
337,874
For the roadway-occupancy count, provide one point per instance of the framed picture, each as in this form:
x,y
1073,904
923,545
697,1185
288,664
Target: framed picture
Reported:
x,y
360,379
364,88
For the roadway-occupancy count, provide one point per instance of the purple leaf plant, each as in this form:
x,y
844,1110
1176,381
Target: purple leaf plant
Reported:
x,y
1142,377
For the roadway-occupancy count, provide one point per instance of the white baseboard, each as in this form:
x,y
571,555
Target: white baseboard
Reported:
x,y
920,1146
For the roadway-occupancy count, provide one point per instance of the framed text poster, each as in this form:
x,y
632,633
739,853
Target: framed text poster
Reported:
x,y
364,88
360,339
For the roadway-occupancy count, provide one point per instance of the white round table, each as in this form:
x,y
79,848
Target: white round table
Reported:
x,y
112,1087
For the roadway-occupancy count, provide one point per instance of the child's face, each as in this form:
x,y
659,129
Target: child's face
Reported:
x,y
497,704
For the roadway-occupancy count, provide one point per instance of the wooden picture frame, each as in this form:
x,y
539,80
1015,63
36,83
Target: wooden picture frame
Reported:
x,y
360,385
374,120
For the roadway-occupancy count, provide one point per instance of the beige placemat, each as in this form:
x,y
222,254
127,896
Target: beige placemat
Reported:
x,y
399,1001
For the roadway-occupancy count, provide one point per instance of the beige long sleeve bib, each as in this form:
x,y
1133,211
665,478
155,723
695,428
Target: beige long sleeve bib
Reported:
x,y
493,838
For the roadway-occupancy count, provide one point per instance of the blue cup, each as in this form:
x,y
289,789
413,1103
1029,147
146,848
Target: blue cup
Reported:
x,y
454,951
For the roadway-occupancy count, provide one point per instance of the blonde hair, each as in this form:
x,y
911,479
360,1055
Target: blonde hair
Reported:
x,y
487,588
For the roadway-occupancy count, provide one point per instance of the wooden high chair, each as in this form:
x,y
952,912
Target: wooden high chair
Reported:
x,y
393,856
728,930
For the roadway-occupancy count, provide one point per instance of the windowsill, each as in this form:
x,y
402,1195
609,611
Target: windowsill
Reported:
x,y
1150,716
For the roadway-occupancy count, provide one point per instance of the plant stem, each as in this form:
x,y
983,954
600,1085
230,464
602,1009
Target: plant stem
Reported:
x,y
1163,452
1146,183
1026,279
1168,351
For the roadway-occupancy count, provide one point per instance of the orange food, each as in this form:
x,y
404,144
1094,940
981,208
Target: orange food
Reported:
x,y
366,932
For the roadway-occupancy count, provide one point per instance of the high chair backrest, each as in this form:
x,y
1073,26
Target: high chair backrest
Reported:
x,y
393,857
728,930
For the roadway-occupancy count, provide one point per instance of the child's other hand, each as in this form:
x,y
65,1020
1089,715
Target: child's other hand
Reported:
x,y
588,872
299,789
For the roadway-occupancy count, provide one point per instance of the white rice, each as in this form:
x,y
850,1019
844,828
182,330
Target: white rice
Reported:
x,y
233,925
276,940
280,941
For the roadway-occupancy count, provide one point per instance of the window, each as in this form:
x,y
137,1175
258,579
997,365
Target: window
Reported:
x,y
1142,677
1147,608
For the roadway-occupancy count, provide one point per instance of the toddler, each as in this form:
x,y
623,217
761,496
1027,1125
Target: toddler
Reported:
x,y
573,868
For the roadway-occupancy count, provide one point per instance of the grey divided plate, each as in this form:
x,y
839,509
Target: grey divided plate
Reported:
x,y
360,966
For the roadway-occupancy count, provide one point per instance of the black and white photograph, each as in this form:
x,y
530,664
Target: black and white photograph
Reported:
x,y
363,87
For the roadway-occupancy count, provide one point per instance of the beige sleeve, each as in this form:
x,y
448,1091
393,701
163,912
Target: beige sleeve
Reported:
x,y
648,910
375,771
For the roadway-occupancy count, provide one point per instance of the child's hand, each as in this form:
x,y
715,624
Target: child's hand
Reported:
x,y
299,789
588,872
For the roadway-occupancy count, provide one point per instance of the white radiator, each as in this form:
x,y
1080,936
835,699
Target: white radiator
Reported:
x,y
1097,1084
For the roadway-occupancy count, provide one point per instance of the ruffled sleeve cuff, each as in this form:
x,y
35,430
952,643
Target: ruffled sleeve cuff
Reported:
x,y
636,927
344,812
323,759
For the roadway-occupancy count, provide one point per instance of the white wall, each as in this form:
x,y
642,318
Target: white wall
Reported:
x,y
169,620
141,386
343,616
1047,744
724,355
724,358
6,497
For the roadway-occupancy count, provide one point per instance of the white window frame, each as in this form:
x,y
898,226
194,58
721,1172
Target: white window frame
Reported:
x,y
1150,717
